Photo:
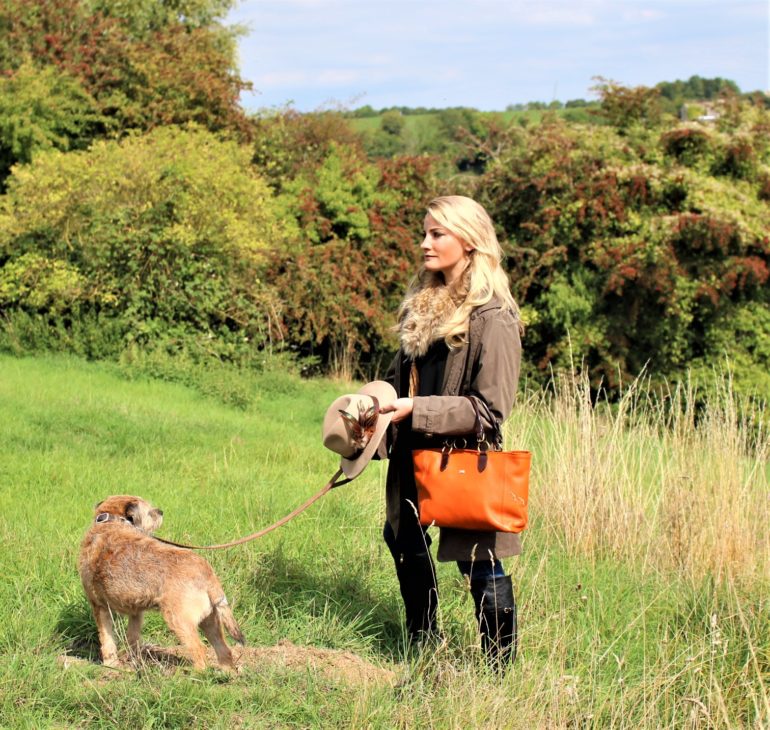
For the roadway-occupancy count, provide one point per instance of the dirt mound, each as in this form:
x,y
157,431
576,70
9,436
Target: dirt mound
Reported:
x,y
333,664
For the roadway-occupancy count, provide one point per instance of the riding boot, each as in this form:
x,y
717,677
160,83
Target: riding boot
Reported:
x,y
496,616
417,580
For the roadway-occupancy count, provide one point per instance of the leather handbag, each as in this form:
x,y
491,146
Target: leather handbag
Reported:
x,y
482,488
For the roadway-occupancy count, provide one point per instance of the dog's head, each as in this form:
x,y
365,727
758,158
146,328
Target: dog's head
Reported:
x,y
135,510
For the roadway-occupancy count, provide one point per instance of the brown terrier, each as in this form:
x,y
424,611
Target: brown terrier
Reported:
x,y
126,570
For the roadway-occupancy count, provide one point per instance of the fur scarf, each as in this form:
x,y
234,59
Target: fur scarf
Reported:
x,y
426,311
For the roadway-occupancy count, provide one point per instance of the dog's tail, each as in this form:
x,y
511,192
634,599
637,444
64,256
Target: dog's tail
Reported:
x,y
222,607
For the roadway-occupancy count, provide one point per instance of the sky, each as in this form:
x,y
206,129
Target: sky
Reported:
x,y
487,54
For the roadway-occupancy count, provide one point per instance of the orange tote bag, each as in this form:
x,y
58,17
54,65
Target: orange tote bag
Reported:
x,y
473,489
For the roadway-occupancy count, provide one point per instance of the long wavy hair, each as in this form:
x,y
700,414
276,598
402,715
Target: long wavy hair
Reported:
x,y
483,277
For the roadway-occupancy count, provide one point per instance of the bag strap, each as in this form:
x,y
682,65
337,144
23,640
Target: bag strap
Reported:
x,y
478,428
473,350
497,436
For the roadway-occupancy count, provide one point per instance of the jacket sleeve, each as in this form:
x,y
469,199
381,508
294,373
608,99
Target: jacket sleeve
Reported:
x,y
494,382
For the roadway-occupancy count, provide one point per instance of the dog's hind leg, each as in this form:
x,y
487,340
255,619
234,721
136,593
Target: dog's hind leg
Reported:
x,y
134,631
212,628
106,629
185,626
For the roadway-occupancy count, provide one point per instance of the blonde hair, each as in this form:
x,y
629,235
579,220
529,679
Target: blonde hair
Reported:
x,y
483,278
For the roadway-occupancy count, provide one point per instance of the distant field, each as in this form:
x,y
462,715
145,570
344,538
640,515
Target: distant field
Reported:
x,y
414,122
642,588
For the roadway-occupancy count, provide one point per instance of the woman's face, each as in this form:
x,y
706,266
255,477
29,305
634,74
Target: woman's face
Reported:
x,y
443,251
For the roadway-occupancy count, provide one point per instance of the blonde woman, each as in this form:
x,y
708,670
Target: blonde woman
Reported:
x,y
459,331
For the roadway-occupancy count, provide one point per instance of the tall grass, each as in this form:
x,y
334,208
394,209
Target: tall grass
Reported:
x,y
675,481
642,589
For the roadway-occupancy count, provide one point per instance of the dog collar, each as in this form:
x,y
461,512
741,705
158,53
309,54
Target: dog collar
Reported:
x,y
107,517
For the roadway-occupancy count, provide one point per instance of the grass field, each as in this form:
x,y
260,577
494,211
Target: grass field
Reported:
x,y
643,587
421,125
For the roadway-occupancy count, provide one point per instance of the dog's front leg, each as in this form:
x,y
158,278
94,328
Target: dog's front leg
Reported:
x,y
106,628
134,632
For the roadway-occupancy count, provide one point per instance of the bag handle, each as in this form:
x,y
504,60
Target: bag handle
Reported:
x,y
478,428
480,439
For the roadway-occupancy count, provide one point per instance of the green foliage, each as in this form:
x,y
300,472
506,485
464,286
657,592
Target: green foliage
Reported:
x,y
343,281
166,232
288,144
392,122
634,240
145,16
696,88
143,65
688,145
42,108
40,284
79,330
228,383
388,140
335,197
738,341
627,259
624,107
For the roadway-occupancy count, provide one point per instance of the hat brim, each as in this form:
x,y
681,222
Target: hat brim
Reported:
x,y
384,393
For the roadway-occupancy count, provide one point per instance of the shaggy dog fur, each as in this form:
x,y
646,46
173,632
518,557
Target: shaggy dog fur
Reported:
x,y
125,570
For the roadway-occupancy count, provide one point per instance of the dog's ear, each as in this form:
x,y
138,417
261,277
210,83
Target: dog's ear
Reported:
x,y
98,504
130,511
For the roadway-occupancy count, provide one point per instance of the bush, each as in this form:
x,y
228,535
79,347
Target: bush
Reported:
x,y
42,109
624,263
166,232
688,145
343,280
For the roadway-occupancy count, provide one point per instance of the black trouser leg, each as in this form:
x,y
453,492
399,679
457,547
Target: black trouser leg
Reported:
x,y
417,581
496,616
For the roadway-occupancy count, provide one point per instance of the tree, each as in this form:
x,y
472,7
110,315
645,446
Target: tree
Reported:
x,y
154,66
43,108
344,277
624,106
624,261
167,234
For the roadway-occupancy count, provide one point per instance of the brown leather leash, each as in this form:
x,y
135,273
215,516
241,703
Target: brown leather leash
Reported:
x,y
331,484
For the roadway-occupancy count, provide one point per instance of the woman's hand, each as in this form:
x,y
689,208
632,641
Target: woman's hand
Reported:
x,y
401,408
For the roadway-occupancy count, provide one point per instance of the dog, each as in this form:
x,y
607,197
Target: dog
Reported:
x,y
126,570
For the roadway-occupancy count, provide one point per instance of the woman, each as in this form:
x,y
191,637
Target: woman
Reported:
x,y
459,331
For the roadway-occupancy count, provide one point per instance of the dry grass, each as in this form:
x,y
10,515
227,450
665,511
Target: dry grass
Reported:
x,y
662,478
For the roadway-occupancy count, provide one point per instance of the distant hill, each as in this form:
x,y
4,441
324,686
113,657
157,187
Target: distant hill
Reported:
x,y
696,88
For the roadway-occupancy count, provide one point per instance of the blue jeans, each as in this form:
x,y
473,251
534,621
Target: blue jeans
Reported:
x,y
481,569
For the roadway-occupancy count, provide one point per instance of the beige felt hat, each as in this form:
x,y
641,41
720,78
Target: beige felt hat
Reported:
x,y
356,435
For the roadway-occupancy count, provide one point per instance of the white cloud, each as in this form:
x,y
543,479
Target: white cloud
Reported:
x,y
488,53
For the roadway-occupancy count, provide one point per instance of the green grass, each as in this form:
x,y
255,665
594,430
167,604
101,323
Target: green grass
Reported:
x,y
421,125
610,637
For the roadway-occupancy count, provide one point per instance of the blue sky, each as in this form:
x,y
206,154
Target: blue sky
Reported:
x,y
489,53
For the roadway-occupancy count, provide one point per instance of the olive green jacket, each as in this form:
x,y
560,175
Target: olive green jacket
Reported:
x,y
486,367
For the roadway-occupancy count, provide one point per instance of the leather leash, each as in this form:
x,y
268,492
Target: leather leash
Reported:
x,y
327,488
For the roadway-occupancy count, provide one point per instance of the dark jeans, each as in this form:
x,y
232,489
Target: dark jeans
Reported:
x,y
419,542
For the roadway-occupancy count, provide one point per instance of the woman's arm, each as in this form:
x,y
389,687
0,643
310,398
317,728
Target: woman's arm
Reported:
x,y
493,385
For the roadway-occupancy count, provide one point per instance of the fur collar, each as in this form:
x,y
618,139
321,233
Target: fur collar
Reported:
x,y
426,311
